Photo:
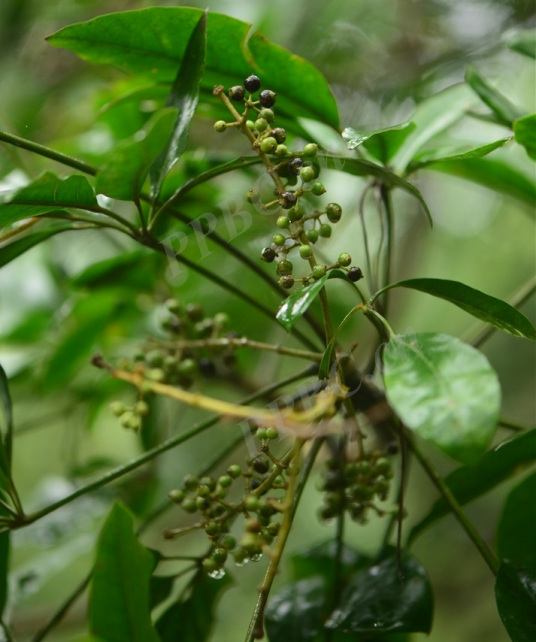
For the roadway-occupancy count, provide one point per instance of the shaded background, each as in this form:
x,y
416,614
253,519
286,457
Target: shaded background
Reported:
x,y
380,58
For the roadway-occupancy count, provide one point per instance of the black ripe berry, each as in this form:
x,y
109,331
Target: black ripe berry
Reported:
x,y
354,274
268,254
267,98
279,134
237,93
287,200
295,166
252,83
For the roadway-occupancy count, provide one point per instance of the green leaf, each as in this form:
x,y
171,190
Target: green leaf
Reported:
x,y
12,250
152,42
505,111
325,363
431,117
515,592
6,417
524,42
525,133
496,175
516,533
482,306
377,601
469,482
442,156
4,572
381,143
444,390
191,620
49,194
184,97
119,595
320,560
131,270
295,306
125,172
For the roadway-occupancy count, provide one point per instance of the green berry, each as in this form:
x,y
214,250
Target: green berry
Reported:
x,y
344,259
296,213
177,495
190,481
173,306
220,126
284,267
208,481
325,230
319,271
252,525
273,528
203,490
239,556
234,471
221,319
237,93
267,98
269,145
312,235
268,254
287,200
212,529
334,212
310,150
354,274
252,196
227,541
267,114
307,174
118,408
189,505
261,125
250,543
252,83
306,251
187,367
141,408
155,374
318,189
281,150
261,434
286,282
219,555
279,239
250,125
251,503
272,433
155,358
283,222
210,565
202,503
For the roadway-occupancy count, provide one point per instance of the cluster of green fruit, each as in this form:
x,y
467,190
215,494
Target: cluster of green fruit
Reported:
x,y
208,498
355,486
295,177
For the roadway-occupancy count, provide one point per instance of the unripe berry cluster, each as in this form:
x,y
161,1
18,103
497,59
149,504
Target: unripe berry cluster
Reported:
x,y
356,486
295,177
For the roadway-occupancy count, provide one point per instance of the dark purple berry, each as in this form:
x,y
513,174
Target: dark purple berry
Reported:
x,y
287,200
268,254
295,166
252,83
355,273
267,98
279,134
260,465
237,93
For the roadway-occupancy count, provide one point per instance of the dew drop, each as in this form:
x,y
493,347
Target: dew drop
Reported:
x,y
256,558
217,575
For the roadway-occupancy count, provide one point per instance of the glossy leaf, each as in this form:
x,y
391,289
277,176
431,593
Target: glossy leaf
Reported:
x,y
431,117
49,194
482,306
295,306
505,111
152,42
377,600
516,533
443,156
119,595
12,250
381,143
496,175
469,482
184,97
444,390
124,174
525,133
524,42
191,620
515,592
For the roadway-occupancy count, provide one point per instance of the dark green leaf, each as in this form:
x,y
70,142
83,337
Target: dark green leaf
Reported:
x,y
515,591
125,172
320,560
431,117
119,595
184,97
12,250
483,306
381,143
447,156
327,357
160,589
516,533
505,111
6,416
525,133
444,390
4,572
469,482
294,306
191,620
377,600
359,167
49,194
131,270
152,42
524,42
31,328
496,175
